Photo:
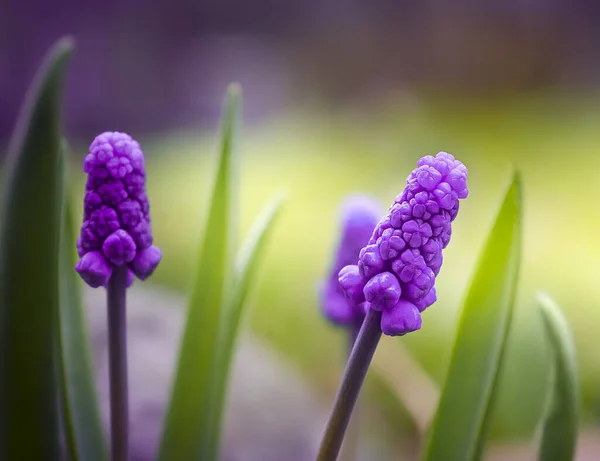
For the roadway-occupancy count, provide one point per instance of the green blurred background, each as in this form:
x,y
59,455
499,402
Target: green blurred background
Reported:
x,y
319,158
342,100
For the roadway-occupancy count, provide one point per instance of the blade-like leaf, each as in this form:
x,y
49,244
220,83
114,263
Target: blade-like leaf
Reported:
x,y
247,265
559,428
464,410
82,424
187,425
29,241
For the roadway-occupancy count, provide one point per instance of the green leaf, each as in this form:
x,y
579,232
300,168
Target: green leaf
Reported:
x,y
247,266
464,410
187,426
559,428
83,427
29,253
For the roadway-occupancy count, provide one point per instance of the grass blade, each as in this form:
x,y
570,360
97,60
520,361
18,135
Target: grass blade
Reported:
x,y
247,265
559,428
464,410
187,426
83,427
29,294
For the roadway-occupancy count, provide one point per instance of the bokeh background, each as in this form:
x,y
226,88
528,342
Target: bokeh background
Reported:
x,y
343,97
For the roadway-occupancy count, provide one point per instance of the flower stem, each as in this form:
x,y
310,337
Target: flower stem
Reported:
x,y
350,444
117,362
347,395
353,332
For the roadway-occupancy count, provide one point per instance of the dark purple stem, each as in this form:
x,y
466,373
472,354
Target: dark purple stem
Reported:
x,y
117,360
353,332
354,376
350,445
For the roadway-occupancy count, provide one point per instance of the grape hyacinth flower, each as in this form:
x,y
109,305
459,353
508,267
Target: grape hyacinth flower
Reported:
x,y
359,216
116,221
396,271
114,246
395,274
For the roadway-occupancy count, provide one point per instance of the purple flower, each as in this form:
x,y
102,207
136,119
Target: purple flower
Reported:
x,y
94,269
370,262
409,265
382,291
390,243
428,300
428,177
400,213
359,216
400,319
352,283
145,261
420,285
116,223
416,232
396,270
423,205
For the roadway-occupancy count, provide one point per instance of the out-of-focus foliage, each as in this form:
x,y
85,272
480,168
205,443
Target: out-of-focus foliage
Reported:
x,y
188,432
31,220
466,403
80,409
561,419
193,423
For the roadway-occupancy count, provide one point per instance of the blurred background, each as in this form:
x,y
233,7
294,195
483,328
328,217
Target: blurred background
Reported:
x,y
344,97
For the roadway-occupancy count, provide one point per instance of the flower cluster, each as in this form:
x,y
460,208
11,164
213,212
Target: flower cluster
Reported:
x,y
359,216
116,221
396,270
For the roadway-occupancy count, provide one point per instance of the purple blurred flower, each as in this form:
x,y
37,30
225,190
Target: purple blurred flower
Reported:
x,y
396,270
359,216
116,222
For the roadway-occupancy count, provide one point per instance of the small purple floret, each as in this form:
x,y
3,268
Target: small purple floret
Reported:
x,y
352,284
94,269
116,223
403,318
390,244
382,291
146,261
119,247
428,300
370,262
396,270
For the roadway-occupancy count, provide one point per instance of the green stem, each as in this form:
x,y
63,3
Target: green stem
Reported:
x,y
349,389
117,362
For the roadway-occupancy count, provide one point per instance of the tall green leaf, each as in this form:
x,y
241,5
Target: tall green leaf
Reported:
x,y
559,428
29,253
82,424
247,265
464,410
187,426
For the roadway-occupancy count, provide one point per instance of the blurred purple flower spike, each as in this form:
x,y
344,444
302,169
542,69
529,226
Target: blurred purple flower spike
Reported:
x,y
359,215
116,222
396,270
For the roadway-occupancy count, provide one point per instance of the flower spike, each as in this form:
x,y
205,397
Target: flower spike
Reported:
x,y
396,270
116,222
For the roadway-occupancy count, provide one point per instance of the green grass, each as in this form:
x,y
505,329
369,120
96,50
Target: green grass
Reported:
x,y
320,158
